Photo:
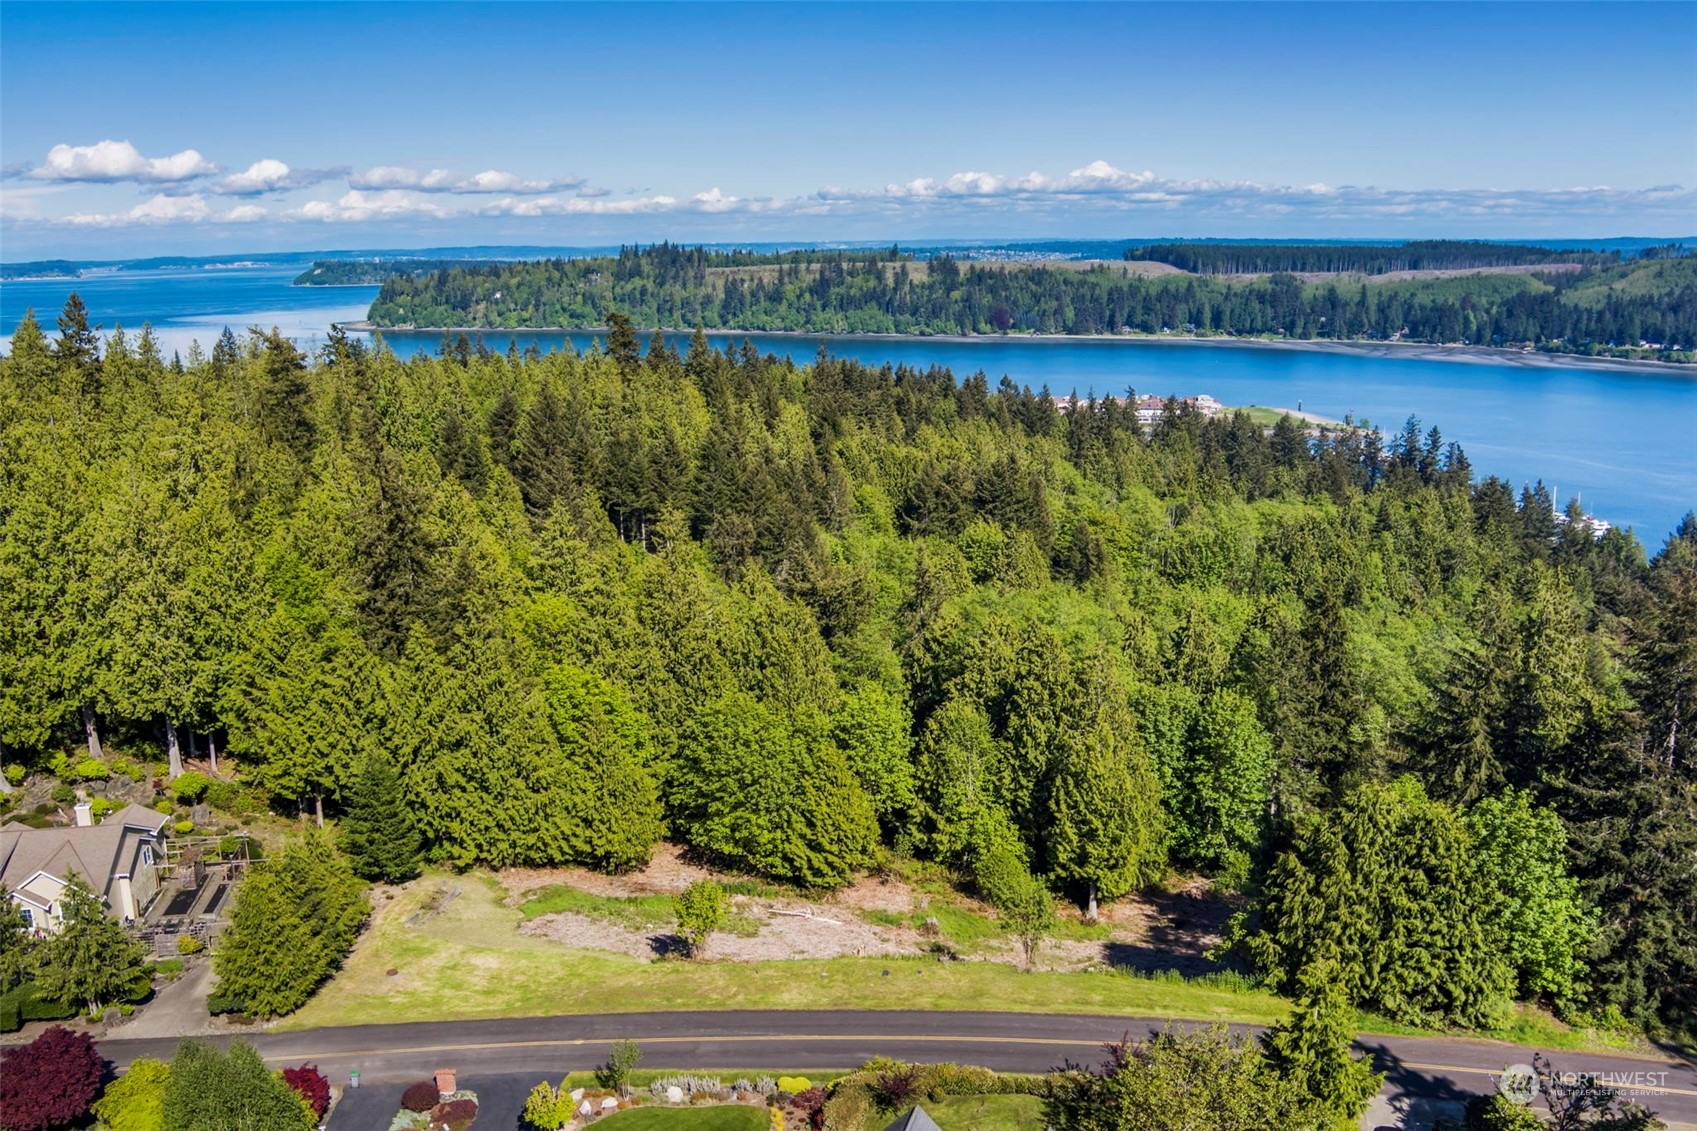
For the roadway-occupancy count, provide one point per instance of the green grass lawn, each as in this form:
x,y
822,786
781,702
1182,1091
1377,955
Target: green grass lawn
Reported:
x,y
729,1117
987,1113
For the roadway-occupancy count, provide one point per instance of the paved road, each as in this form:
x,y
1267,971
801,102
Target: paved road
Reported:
x,y
1433,1070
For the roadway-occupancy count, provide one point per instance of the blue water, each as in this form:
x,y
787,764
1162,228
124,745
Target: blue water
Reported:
x,y
1622,440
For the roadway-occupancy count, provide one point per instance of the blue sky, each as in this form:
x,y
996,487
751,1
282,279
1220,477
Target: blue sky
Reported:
x,y
180,128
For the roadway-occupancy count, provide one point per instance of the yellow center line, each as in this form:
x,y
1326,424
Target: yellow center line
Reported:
x,y
718,1039
1498,1072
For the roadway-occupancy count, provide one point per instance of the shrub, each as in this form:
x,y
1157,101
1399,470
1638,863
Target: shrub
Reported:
x,y
15,773
219,1002
135,1101
613,1075
311,1085
100,806
91,769
163,805
188,944
1495,1113
190,787
548,1108
49,1082
421,1096
454,1113
184,828
33,1007
809,1101
895,1087
700,910
64,794
227,797
794,1084
849,1107
10,1022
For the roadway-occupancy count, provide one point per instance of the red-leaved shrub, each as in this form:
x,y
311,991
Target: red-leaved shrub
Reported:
x,y
455,1114
311,1085
421,1096
454,1109
49,1082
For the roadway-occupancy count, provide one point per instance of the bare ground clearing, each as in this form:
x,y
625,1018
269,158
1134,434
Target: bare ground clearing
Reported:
x,y
1148,932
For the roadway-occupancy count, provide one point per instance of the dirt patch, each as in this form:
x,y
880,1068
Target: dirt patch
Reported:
x,y
1169,930
666,874
784,932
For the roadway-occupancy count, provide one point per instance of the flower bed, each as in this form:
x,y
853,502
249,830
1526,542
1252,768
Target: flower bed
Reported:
x,y
455,1113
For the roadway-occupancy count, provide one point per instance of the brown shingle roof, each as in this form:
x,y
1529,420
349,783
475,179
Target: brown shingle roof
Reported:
x,y
92,851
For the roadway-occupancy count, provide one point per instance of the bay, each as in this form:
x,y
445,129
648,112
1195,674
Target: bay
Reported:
x,y
1622,439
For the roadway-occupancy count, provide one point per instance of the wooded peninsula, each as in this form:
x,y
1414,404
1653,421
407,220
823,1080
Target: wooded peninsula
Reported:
x,y
1504,295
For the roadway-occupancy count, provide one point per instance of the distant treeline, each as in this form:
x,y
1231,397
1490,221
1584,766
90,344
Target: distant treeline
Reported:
x,y
1604,309
41,269
357,272
1367,259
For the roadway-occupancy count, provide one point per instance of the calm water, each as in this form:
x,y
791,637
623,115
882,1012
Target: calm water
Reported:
x,y
1621,440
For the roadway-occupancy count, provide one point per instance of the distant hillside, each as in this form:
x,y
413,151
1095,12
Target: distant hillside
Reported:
x,y
41,269
885,293
356,272
1365,259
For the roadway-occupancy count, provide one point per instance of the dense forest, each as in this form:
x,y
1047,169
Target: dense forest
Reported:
x,y
365,272
1365,259
1603,309
807,618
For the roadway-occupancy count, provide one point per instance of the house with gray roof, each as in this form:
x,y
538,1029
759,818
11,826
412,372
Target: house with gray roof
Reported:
x,y
119,858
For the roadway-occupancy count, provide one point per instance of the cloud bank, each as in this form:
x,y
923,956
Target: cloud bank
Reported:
x,y
1098,193
270,175
107,162
443,180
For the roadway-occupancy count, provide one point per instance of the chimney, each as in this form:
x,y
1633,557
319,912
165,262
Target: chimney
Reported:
x,y
85,814
445,1083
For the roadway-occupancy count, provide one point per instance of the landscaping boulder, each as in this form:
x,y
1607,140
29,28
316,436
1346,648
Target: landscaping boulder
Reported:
x,y
674,1095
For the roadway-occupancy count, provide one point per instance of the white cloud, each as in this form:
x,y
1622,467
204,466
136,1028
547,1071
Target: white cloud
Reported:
x,y
444,180
109,161
356,205
271,175
164,208
1098,192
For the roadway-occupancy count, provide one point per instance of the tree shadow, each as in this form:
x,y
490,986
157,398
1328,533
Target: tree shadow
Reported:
x,y
669,946
1418,1099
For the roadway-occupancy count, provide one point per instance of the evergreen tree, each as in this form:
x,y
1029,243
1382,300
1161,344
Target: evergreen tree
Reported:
x,y
379,834
90,959
1311,1050
77,349
294,920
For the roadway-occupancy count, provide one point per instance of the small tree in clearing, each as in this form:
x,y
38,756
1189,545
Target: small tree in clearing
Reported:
x,y
49,1082
700,910
1029,913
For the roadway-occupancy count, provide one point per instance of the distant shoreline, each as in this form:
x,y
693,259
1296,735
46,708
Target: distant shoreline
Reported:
x,y
1418,351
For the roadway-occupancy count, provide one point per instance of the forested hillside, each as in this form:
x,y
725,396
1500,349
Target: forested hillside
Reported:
x,y
1365,259
365,272
1591,311
804,618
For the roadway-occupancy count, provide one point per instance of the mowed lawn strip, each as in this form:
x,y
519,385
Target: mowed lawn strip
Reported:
x,y
467,961
729,1117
